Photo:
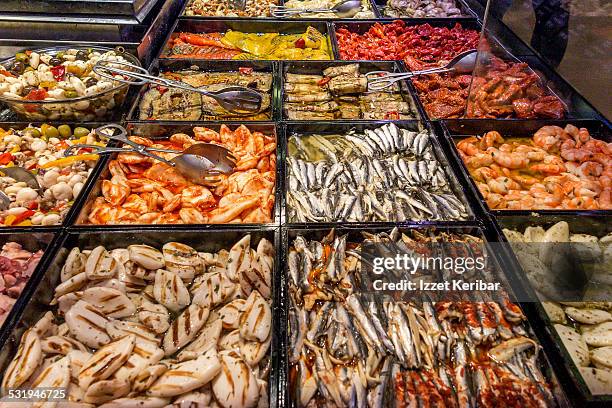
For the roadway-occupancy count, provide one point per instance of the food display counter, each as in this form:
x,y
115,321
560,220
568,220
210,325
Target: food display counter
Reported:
x,y
440,241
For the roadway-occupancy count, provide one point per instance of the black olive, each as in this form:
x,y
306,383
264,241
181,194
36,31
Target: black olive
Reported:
x,y
27,89
82,55
55,61
18,67
91,82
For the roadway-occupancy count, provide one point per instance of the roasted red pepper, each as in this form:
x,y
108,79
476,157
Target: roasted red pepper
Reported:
x,y
5,158
36,95
300,43
58,72
245,70
22,217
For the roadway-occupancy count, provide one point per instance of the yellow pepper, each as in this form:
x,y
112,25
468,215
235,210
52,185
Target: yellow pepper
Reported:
x,y
26,223
9,219
15,149
67,161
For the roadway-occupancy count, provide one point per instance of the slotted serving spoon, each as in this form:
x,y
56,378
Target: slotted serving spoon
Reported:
x,y
18,174
234,99
463,63
344,9
201,163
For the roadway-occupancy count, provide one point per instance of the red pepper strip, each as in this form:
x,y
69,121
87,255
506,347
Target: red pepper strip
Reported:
x,y
22,216
6,73
324,81
36,95
245,70
58,72
5,158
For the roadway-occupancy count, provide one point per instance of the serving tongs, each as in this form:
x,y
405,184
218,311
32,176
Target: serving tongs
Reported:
x,y
201,163
344,9
234,99
463,63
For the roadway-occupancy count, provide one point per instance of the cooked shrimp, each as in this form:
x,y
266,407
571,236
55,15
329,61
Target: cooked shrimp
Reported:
x,y
509,160
479,160
548,137
489,140
468,146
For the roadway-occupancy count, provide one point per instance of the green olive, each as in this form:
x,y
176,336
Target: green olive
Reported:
x,y
65,131
32,131
71,94
80,132
51,131
21,56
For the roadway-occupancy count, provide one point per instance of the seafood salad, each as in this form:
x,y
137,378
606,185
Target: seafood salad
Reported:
x,y
341,93
311,45
162,103
40,150
347,348
422,8
557,168
224,8
382,174
507,90
365,12
585,328
16,266
61,76
144,326
415,44
141,190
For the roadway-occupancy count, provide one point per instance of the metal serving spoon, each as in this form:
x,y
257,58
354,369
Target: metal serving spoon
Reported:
x,y
234,99
463,63
345,9
18,174
201,163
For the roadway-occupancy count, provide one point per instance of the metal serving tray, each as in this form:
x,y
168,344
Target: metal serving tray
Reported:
x,y
163,130
316,68
562,363
75,208
32,241
291,128
465,9
456,130
248,26
165,65
280,3
288,235
37,302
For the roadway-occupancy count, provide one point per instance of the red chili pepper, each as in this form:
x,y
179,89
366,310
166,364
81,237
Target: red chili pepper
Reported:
x,y
6,158
300,43
58,72
36,95
245,70
324,81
